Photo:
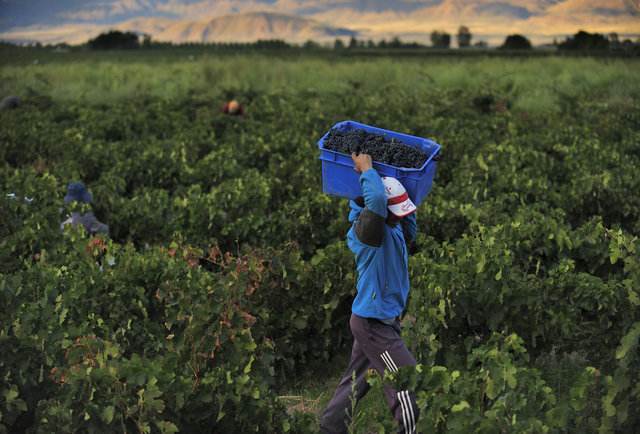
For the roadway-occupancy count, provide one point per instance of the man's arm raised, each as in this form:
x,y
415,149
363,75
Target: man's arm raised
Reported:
x,y
369,227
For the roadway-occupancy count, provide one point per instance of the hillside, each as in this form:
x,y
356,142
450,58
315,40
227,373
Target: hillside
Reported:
x,y
209,20
245,28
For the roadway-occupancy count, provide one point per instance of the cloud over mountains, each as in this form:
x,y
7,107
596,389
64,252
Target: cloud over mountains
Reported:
x,y
295,20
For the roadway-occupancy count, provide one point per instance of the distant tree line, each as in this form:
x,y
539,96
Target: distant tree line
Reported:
x,y
516,42
116,39
596,41
442,40
439,39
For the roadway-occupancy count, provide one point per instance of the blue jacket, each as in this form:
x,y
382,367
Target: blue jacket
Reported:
x,y
89,221
380,251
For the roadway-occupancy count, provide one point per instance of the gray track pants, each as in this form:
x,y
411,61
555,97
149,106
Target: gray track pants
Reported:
x,y
378,346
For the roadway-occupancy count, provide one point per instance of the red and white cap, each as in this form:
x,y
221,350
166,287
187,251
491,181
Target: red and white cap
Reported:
x,y
398,201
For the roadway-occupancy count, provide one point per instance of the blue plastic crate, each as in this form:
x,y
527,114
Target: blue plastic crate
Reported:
x,y
340,179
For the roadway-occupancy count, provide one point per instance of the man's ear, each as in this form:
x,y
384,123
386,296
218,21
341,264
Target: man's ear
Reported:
x,y
359,201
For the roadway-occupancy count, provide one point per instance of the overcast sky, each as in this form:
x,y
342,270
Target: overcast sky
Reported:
x,y
371,17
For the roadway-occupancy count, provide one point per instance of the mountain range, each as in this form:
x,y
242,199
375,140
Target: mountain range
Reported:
x,y
75,21
247,27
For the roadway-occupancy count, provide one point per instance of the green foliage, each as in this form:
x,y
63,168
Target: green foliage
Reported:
x,y
495,391
622,398
227,274
130,343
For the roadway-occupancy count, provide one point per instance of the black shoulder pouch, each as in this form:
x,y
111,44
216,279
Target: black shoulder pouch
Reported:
x,y
369,228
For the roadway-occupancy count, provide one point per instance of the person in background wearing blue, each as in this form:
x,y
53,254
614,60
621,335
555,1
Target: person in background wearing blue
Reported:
x,y
77,192
383,232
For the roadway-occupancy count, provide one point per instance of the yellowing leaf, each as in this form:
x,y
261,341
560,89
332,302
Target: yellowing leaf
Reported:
x,y
107,414
460,406
247,368
166,427
63,315
481,263
481,163
11,394
630,340
491,392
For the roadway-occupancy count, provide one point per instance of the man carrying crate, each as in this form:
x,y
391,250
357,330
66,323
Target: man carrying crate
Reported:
x,y
383,228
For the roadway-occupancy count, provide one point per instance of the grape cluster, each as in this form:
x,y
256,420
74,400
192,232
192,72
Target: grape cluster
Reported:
x,y
381,148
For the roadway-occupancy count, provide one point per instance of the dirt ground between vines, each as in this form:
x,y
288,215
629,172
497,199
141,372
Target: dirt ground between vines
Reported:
x,y
312,393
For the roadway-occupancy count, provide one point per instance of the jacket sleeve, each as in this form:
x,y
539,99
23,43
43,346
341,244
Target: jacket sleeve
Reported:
x,y
93,225
369,227
410,229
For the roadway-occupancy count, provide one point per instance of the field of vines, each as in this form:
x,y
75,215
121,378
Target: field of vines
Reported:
x,y
226,278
